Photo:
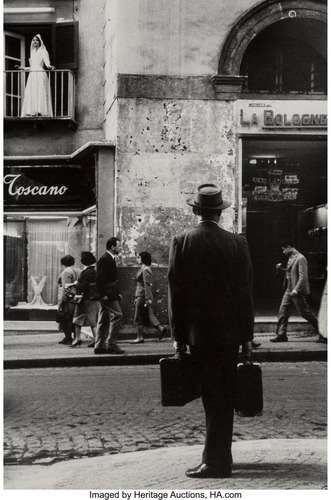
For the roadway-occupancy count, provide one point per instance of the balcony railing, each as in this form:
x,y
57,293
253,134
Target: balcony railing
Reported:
x,y
62,94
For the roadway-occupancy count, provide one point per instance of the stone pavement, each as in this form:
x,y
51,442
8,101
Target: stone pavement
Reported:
x,y
57,414
28,345
263,464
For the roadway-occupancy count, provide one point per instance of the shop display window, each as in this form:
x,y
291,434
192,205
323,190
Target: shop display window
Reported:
x,y
14,262
33,248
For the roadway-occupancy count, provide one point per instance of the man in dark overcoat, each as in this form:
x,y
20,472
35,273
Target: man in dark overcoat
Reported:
x,y
110,312
211,311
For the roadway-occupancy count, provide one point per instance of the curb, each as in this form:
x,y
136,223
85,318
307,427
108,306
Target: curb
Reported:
x,y
152,359
286,464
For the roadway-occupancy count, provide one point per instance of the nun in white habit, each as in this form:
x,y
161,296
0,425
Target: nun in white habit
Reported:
x,y
37,95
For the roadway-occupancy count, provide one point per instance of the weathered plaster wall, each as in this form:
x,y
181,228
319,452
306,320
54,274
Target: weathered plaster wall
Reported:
x,y
179,37
127,285
110,70
165,149
105,179
54,138
90,90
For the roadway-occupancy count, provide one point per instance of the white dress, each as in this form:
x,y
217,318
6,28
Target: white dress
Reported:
x,y
37,95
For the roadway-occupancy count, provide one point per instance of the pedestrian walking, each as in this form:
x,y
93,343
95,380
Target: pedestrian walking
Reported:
x,y
86,311
110,313
297,290
66,307
211,311
144,299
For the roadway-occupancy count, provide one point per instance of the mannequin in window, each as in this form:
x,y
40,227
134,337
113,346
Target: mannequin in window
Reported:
x,y
38,283
37,95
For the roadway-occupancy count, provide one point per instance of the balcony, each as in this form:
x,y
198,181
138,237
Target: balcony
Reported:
x,y
61,87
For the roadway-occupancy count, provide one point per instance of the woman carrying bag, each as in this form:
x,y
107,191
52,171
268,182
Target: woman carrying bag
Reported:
x,y
66,307
87,306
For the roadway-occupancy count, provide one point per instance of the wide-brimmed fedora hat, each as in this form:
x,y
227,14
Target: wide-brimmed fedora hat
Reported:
x,y
209,196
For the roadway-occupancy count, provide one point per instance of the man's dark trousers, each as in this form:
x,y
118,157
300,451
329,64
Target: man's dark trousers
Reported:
x,y
217,368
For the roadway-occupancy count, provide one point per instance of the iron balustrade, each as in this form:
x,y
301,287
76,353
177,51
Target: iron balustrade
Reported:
x,y
62,86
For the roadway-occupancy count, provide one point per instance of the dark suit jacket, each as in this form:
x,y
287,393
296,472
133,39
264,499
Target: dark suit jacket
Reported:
x,y
106,278
210,287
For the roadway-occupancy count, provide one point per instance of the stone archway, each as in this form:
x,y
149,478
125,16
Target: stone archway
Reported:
x,y
256,20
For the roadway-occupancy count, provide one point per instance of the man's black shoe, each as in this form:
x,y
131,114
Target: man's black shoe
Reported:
x,y
279,338
65,341
101,350
205,471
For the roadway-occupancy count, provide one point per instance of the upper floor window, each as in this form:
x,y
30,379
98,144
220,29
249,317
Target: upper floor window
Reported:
x,y
39,63
287,57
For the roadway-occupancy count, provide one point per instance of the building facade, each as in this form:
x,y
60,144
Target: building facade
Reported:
x,y
161,96
52,160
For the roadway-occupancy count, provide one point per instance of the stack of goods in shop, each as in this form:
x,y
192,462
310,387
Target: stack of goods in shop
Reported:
x,y
272,180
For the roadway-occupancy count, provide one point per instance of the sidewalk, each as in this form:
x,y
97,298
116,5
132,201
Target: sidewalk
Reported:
x,y
263,464
36,345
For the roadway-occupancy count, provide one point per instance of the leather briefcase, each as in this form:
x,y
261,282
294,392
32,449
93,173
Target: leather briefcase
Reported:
x,y
249,391
179,381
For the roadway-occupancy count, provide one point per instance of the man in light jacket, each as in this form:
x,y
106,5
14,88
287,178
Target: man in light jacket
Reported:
x,y
211,310
296,292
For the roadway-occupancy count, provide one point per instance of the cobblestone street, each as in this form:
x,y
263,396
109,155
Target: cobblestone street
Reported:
x,y
57,414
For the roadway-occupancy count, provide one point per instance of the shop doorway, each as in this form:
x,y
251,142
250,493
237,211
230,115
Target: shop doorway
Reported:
x,y
284,184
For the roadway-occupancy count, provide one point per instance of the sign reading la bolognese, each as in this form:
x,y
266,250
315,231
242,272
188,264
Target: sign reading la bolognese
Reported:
x,y
282,115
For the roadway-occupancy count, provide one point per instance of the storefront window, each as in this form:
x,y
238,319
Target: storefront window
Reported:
x,y
47,242
14,262
33,249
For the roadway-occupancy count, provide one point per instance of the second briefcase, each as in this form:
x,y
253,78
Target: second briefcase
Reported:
x,y
249,393
179,381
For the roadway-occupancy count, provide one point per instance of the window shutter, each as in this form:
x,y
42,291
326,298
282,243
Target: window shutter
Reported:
x,y
66,45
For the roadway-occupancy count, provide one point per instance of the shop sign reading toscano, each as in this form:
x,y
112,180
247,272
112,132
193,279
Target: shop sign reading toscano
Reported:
x,y
17,190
